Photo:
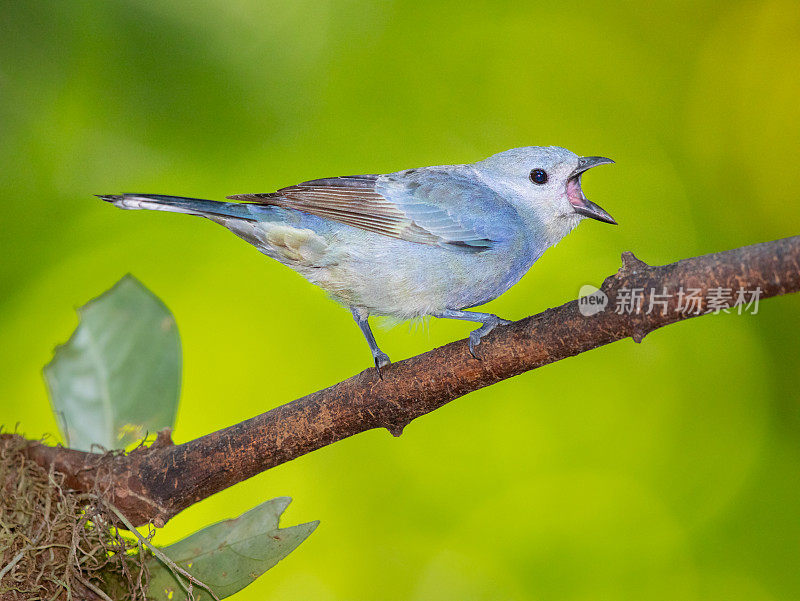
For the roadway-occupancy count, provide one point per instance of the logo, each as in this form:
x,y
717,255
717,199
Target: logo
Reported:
x,y
592,300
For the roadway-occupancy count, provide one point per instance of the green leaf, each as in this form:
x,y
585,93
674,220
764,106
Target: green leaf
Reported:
x,y
118,376
229,555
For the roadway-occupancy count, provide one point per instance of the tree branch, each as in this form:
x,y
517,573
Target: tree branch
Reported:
x,y
158,482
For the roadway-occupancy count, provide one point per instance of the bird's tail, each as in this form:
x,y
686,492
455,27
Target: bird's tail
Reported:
x,y
178,204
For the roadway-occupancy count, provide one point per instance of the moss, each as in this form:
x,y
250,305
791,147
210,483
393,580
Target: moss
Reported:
x,y
59,545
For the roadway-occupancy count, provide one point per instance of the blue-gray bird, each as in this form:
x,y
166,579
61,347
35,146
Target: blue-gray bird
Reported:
x,y
429,241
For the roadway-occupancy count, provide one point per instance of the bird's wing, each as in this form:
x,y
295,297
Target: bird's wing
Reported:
x,y
421,206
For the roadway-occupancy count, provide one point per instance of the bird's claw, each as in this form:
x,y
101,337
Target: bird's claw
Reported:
x,y
473,342
381,360
476,335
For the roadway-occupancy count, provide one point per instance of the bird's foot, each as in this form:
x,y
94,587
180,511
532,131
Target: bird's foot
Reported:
x,y
476,335
381,361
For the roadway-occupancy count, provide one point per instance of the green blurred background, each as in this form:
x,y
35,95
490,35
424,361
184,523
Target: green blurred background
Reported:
x,y
666,470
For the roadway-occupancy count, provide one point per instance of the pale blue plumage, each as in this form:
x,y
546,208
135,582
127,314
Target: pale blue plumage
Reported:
x,y
428,241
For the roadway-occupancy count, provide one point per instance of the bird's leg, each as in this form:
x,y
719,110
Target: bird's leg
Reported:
x,y
381,358
489,321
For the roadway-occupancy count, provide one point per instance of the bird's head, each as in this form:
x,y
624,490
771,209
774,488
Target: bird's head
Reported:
x,y
545,181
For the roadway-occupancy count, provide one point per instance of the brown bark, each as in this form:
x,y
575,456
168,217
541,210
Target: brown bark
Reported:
x,y
159,482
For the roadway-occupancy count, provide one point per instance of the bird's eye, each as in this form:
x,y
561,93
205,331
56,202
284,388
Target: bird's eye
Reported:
x,y
538,176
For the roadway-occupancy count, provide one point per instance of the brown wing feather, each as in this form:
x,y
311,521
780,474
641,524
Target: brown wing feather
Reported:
x,y
349,200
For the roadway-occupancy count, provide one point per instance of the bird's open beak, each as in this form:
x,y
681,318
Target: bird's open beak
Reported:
x,y
581,204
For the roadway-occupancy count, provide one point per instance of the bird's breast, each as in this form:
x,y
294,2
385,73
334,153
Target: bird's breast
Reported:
x,y
406,280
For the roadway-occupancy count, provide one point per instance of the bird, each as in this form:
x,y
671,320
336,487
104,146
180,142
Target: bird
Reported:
x,y
429,241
